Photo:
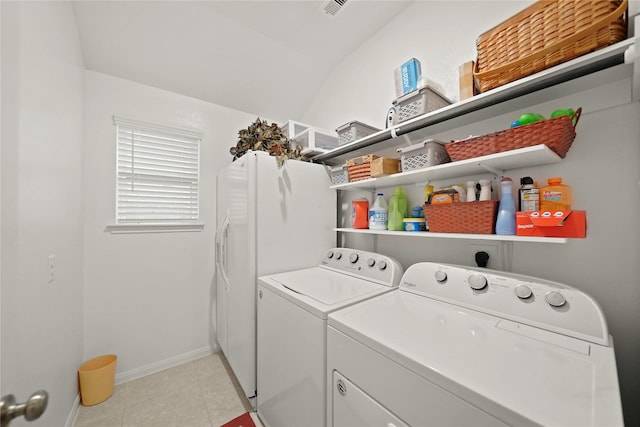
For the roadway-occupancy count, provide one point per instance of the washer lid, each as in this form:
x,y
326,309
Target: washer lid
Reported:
x,y
520,374
325,286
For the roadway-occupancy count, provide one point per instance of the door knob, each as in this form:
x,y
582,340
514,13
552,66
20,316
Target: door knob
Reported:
x,y
32,409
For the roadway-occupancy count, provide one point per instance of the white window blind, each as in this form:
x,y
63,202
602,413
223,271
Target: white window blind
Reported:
x,y
157,174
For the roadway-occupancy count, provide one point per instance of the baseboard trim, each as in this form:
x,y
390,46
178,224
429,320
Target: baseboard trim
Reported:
x,y
151,368
71,419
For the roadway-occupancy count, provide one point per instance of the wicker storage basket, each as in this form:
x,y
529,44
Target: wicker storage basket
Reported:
x,y
556,133
462,217
547,33
360,167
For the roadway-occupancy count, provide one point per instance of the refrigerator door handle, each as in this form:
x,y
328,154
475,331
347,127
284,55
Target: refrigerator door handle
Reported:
x,y
222,253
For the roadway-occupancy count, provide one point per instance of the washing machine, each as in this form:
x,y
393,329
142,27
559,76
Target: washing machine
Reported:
x,y
459,346
292,316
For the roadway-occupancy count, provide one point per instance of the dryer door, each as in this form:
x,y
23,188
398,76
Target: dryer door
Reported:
x,y
353,407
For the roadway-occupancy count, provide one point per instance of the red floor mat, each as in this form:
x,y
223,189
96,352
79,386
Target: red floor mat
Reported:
x,y
243,420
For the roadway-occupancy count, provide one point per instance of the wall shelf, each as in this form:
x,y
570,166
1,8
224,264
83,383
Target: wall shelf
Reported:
x,y
501,100
514,159
427,234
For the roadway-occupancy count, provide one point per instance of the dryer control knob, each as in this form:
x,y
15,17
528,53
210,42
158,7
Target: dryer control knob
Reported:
x,y
441,276
523,291
338,255
330,254
371,262
382,265
555,298
353,258
477,282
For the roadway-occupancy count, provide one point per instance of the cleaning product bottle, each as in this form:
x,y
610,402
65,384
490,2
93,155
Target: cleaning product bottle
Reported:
x,y
471,191
485,190
556,196
529,195
506,221
398,210
428,192
378,213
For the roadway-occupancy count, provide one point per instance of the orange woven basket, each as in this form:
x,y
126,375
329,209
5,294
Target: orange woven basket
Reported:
x,y
359,168
462,217
557,133
547,33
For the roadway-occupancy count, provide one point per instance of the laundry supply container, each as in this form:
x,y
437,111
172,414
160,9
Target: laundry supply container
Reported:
x,y
96,378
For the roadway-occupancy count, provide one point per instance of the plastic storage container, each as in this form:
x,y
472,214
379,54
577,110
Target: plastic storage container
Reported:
x,y
429,152
556,196
96,378
378,213
339,174
414,224
418,102
398,210
353,131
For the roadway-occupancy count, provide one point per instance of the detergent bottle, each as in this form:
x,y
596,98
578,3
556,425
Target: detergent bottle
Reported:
x,y
398,210
556,196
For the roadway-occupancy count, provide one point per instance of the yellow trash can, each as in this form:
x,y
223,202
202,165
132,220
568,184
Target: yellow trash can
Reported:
x,y
96,378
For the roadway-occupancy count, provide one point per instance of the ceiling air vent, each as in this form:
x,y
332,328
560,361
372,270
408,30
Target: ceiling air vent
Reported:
x,y
332,7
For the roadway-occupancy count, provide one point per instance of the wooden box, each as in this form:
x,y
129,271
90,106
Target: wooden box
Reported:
x,y
384,166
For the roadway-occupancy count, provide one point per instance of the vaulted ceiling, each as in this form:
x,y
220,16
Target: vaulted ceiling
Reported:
x,y
264,57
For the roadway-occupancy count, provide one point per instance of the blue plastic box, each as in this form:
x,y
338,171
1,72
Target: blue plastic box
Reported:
x,y
408,77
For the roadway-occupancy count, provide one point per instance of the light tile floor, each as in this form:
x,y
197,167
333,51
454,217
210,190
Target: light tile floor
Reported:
x,y
201,393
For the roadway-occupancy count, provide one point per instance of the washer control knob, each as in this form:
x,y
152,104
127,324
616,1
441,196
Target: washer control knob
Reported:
x,y
330,254
353,258
523,291
555,298
382,265
371,262
441,276
338,255
477,282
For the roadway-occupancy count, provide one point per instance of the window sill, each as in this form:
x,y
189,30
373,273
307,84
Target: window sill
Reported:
x,y
152,228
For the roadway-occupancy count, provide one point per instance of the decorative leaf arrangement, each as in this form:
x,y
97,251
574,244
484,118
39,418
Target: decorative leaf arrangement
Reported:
x,y
260,136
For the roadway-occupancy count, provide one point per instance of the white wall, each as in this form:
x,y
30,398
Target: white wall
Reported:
x,y
42,72
440,34
602,165
148,297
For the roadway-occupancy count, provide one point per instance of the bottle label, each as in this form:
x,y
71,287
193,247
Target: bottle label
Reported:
x,y
530,200
378,218
552,195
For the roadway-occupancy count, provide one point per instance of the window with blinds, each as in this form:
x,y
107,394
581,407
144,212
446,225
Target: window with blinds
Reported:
x,y
157,174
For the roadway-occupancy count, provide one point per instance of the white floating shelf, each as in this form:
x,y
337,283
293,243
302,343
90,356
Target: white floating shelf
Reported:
x,y
514,159
426,234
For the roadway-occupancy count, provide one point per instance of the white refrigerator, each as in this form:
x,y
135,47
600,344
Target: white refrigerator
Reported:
x,y
269,219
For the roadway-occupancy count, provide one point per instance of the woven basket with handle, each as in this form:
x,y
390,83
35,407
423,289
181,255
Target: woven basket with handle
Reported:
x,y
557,133
547,33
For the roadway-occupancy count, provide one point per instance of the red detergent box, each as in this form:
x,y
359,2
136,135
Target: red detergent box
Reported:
x,y
551,224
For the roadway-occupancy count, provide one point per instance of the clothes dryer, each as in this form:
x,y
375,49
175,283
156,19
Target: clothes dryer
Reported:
x,y
460,346
292,315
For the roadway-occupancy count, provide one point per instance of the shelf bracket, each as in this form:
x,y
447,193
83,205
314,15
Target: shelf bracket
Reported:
x,y
496,172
